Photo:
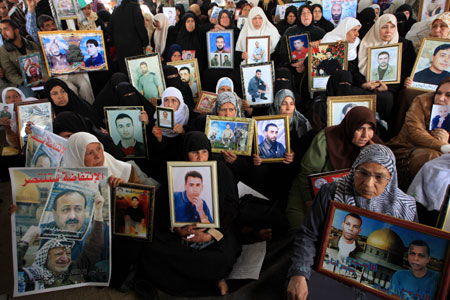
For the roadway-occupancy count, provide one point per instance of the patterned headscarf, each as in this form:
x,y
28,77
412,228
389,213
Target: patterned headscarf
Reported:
x,y
444,17
392,202
227,97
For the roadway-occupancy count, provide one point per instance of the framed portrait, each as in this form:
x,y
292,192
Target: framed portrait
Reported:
x,y
258,82
206,102
185,3
215,12
170,14
258,49
39,112
188,70
323,61
165,117
134,208
281,9
429,8
220,47
385,63
7,111
431,59
272,137
317,180
339,106
444,215
220,3
193,196
440,117
126,130
68,52
146,75
188,54
241,22
31,67
384,257
230,134
65,9
297,46
337,10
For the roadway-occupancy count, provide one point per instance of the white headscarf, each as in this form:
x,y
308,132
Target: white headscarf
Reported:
x,y
267,28
181,114
340,34
76,149
373,38
364,4
160,34
22,95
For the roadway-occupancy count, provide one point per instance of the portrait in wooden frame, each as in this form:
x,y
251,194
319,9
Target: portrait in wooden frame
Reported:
x,y
429,8
230,134
444,214
206,102
39,112
428,58
31,67
126,130
188,70
383,248
165,117
317,180
387,58
268,131
189,183
297,46
339,106
146,74
133,211
251,83
222,57
324,60
258,49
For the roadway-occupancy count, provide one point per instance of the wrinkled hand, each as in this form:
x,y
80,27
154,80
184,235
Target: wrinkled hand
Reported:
x,y
32,233
297,288
98,202
154,101
257,161
143,117
178,128
382,87
115,181
28,127
440,134
244,55
103,130
229,156
288,157
6,122
157,132
408,82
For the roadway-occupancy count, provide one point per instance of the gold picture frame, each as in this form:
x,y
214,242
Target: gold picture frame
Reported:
x,y
208,106
422,15
193,78
338,106
261,124
392,55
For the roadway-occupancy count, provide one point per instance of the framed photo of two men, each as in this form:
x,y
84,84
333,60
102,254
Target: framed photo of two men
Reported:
x,y
257,83
389,257
432,64
272,137
385,63
146,75
126,130
193,194
220,47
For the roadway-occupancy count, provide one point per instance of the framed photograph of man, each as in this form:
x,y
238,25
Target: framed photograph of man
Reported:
x,y
432,64
220,3
126,130
206,102
31,67
272,137
258,82
317,180
241,22
323,61
389,257
230,134
170,14
65,9
146,75
39,112
297,46
337,10
193,195
440,117
165,117
188,54
188,70
339,106
444,214
385,63
215,12
281,9
68,52
220,47
429,8
134,208
258,49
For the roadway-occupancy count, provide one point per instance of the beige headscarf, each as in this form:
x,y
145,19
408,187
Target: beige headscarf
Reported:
x,y
373,38
161,33
90,24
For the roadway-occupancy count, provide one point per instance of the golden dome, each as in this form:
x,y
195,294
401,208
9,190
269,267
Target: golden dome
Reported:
x,y
385,239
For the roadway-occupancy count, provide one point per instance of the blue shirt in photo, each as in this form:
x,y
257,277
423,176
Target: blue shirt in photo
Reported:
x,y
405,285
185,211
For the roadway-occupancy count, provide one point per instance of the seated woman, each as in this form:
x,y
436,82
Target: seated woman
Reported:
x,y
11,96
415,144
290,16
371,185
356,130
174,53
319,20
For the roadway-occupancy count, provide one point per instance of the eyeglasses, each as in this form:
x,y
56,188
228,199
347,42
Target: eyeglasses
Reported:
x,y
366,175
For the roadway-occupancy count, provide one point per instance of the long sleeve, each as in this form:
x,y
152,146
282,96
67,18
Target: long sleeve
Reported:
x,y
31,26
11,72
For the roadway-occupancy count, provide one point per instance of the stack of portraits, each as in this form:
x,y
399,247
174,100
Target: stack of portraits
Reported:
x,y
220,49
258,82
272,137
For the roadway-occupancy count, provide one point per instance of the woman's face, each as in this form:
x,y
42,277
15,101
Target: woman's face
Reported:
x,y
87,10
245,10
387,31
291,18
362,135
65,134
439,29
407,14
442,96
257,22
306,17
176,56
172,102
59,96
317,14
377,13
224,20
190,24
227,110
287,107
94,155
199,155
157,25
12,97
371,179
352,34
147,22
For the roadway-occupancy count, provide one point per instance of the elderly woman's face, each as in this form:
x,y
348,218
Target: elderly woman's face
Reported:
x,y
362,135
224,88
199,155
176,56
171,102
442,96
59,96
257,22
190,24
306,17
287,107
371,179
439,29
94,155
227,110
352,34
387,31
12,97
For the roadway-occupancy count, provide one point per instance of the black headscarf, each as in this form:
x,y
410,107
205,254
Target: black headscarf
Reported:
x,y
226,11
283,24
409,22
283,80
340,83
367,18
172,79
107,94
75,104
190,40
128,95
206,5
322,23
401,23
182,11
315,33
194,141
